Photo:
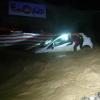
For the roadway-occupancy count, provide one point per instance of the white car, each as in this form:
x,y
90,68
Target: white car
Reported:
x,y
62,43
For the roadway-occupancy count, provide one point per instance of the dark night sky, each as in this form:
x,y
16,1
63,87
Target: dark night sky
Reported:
x,y
81,4
78,4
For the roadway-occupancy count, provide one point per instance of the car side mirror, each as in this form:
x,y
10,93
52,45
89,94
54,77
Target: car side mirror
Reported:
x,y
51,46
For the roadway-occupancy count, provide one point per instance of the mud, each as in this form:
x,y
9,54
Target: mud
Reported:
x,y
58,76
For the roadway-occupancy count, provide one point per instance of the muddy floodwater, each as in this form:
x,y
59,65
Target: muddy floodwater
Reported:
x,y
56,76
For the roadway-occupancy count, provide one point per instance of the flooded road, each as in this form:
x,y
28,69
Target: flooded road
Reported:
x,y
57,76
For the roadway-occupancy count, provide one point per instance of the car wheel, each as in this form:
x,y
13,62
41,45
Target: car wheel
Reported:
x,y
86,47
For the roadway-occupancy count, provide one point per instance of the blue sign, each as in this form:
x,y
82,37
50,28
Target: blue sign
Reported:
x,y
27,9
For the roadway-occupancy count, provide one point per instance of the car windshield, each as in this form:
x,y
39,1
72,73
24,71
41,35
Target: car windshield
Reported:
x,y
44,43
56,42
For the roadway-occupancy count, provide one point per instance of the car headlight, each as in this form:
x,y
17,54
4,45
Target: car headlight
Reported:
x,y
65,36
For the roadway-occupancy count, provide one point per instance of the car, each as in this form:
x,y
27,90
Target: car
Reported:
x,y
62,43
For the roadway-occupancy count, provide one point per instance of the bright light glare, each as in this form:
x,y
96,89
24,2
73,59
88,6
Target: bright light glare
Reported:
x,y
37,44
47,42
64,36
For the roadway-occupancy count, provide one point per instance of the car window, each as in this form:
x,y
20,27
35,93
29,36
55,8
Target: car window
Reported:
x,y
59,42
